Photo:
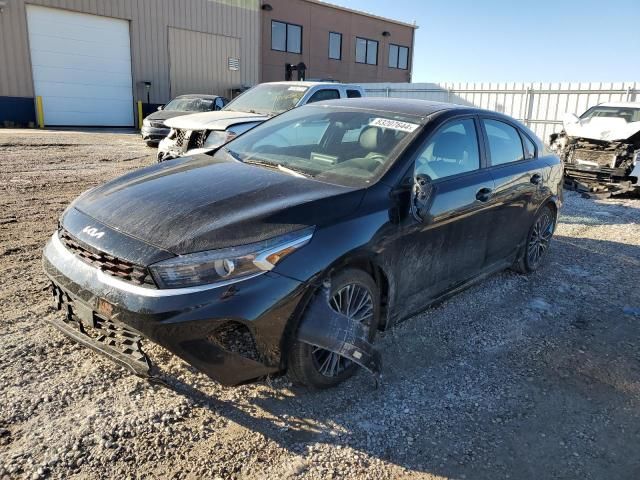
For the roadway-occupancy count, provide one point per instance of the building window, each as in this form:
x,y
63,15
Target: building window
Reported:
x,y
286,37
335,46
366,51
398,57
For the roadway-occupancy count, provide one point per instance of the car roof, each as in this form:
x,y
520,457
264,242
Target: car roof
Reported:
x,y
310,84
620,104
197,95
397,105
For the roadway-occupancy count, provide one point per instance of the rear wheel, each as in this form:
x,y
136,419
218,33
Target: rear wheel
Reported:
x,y
355,294
538,240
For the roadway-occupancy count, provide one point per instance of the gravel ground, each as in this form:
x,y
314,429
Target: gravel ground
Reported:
x,y
518,377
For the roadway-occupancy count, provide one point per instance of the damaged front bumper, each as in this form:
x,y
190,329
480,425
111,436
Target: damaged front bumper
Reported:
x,y
233,333
598,168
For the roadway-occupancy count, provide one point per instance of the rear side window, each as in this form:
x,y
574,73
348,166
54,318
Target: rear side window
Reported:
x,y
452,150
328,94
529,147
353,94
505,144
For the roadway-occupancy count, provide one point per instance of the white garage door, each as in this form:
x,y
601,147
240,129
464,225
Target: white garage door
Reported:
x,y
81,67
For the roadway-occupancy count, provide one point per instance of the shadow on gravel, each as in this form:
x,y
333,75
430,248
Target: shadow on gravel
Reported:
x,y
523,376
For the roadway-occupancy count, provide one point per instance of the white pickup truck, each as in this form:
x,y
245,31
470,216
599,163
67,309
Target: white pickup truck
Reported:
x,y
202,132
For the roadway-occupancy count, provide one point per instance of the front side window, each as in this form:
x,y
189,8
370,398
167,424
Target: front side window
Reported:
x,y
505,144
325,94
335,46
452,150
268,99
366,51
398,57
331,144
286,37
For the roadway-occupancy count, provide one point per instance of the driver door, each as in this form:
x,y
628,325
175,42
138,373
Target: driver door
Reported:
x,y
449,247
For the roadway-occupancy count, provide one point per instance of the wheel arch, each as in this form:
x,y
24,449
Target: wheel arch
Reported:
x,y
361,261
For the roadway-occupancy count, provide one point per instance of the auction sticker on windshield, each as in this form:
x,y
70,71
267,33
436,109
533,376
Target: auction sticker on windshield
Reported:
x,y
393,124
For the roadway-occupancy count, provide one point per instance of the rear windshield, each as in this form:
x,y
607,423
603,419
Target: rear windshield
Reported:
x,y
190,105
627,114
333,144
267,99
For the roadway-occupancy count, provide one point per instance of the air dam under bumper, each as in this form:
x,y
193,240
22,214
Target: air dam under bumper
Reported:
x,y
232,333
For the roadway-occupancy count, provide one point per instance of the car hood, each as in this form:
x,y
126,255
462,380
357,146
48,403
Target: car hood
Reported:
x,y
166,114
200,203
605,128
219,120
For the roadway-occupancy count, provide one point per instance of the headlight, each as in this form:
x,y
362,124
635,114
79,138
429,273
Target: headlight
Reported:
x,y
145,122
217,138
234,263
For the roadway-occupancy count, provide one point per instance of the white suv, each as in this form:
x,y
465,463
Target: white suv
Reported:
x,y
202,132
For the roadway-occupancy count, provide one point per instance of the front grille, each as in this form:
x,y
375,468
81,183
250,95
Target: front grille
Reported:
x,y
122,269
101,333
181,135
197,138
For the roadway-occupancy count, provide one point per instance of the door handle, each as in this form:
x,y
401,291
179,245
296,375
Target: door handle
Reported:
x,y
484,194
536,179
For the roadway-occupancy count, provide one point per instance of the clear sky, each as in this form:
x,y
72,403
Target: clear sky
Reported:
x,y
514,40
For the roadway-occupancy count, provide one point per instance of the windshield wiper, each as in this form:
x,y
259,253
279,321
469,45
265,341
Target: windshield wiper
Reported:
x,y
277,166
291,171
233,154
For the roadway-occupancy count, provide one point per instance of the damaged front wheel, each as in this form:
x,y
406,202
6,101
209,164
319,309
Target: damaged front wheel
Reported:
x,y
355,295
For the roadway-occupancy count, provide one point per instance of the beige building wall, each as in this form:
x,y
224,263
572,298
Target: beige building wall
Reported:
x,y
150,21
317,20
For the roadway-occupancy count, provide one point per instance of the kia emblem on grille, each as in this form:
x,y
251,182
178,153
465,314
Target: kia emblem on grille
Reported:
x,y
92,231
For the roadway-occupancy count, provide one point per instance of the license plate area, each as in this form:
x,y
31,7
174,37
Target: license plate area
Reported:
x,y
101,333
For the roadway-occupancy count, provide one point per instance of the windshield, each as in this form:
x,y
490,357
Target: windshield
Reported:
x,y
190,105
270,99
626,113
333,144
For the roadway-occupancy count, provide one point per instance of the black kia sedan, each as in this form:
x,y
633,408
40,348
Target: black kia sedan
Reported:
x,y
288,248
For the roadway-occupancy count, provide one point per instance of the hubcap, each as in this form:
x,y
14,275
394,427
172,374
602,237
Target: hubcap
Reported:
x,y
355,302
540,238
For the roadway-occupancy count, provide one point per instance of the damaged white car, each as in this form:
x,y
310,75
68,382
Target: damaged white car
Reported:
x,y
601,149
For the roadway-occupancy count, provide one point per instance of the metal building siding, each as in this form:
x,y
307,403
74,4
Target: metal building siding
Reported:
x,y
211,76
149,22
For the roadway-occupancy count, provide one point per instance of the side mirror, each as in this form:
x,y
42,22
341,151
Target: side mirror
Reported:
x,y
422,197
161,107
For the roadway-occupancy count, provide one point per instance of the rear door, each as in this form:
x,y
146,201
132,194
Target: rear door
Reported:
x,y
436,255
518,176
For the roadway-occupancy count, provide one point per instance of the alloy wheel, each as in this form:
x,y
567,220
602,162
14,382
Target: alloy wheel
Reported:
x,y
356,302
540,237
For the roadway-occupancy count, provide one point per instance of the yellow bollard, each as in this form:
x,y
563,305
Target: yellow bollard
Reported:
x,y
140,115
39,112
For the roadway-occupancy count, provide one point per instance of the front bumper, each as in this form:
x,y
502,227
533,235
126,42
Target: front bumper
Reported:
x,y
154,133
233,333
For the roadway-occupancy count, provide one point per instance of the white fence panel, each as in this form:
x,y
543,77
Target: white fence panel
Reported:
x,y
541,106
